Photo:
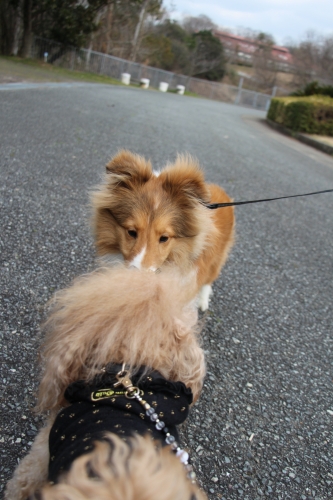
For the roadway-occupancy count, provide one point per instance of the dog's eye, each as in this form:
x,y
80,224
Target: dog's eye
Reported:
x,y
132,233
163,239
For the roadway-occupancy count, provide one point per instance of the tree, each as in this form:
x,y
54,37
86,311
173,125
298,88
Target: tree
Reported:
x,y
265,68
178,56
27,28
306,58
207,56
117,27
123,26
265,39
65,21
313,59
174,31
147,6
326,59
195,54
10,26
193,24
182,57
159,51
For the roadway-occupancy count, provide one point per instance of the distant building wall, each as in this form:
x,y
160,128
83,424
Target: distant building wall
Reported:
x,y
243,49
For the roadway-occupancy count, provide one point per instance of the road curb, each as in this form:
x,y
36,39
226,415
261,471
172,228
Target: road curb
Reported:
x,y
321,146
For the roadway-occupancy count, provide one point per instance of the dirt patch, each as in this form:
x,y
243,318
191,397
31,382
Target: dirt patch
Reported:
x,y
323,138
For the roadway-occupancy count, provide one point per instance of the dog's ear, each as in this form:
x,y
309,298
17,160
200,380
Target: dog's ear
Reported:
x,y
185,177
127,168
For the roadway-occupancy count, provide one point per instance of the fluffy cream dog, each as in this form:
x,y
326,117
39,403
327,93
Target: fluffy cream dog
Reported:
x,y
110,318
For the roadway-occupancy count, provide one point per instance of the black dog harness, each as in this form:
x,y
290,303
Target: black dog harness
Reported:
x,y
99,407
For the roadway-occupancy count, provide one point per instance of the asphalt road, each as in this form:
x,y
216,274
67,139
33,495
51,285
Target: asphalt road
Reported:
x,y
263,426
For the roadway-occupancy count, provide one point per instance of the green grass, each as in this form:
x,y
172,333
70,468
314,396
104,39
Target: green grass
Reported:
x,y
36,69
18,69
187,92
192,94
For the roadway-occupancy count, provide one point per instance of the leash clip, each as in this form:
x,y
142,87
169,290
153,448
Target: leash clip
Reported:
x,y
123,378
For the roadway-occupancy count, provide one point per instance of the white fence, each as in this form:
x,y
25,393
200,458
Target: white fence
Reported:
x,y
103,64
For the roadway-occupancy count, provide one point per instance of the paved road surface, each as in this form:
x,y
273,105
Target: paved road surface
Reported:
x,y
263,426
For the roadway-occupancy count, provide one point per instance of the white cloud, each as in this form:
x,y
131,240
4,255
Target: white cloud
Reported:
x,y
281,18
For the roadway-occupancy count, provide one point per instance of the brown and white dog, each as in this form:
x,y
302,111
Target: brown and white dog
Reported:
x,y
155,218
115,316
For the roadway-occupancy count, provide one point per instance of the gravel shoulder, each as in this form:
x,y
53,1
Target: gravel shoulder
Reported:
x,y
263,425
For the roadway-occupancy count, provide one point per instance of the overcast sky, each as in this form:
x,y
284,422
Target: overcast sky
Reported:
x,y
284,19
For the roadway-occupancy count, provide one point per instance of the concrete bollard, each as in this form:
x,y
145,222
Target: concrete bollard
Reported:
x,y
125,78
180,89
163,87
144,83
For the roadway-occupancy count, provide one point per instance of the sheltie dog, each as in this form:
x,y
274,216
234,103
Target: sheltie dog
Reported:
x,y
103,437
153,218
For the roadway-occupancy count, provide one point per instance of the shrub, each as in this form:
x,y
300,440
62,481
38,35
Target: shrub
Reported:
x,y
312,115
314,88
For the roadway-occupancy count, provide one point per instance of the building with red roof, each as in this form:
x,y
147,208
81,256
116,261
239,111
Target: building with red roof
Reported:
x,y
243,50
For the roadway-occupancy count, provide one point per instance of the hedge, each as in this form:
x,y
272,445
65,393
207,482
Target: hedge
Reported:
x,y
314,88
312,115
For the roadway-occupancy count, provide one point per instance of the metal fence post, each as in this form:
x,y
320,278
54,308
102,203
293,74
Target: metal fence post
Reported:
x,y
212,90
268,102
189,82
73,59
101,66
32,48
155,80
121,70
105,65
239,93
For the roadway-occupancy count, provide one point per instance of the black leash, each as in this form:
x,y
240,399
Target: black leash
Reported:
x,y
233,203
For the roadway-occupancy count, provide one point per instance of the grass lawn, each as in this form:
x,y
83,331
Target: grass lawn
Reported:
x,y
15,69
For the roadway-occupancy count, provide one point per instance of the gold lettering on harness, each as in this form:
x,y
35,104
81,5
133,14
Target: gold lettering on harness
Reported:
x,y
105,393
